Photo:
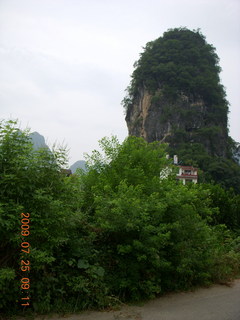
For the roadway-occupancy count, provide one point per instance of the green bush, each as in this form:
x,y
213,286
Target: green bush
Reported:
x,y
153,235
33,182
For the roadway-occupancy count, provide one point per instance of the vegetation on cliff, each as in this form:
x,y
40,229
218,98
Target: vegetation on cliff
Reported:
x,y
188,107
114,232
180,62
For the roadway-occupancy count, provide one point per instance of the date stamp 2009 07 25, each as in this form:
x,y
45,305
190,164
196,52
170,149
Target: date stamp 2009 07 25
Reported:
x,y
25,263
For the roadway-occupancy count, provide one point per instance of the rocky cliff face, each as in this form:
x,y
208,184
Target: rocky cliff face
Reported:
x,y
182,120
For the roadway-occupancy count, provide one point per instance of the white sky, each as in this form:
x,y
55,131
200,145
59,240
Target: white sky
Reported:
x,y
64,64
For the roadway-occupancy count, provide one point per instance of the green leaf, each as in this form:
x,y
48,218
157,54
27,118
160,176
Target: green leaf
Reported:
x,y
83,264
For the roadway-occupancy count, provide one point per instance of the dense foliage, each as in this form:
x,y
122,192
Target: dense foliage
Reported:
x,y
117,231
223,171
180,62
31,181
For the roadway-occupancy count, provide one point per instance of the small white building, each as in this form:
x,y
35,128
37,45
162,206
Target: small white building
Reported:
x,y
187,174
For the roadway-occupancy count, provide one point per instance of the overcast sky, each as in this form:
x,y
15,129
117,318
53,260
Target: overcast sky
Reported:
x,y
64,64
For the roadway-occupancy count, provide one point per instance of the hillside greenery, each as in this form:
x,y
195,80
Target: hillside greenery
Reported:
x,y
182,64
223,171
181,61
114,233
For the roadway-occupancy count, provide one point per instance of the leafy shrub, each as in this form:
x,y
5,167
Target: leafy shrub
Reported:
x,y
153,235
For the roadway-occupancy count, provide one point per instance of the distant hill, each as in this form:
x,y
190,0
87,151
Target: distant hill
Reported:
x,y
38,141
78,164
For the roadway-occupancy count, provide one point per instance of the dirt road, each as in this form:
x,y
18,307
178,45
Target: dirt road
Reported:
x,y
214,303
